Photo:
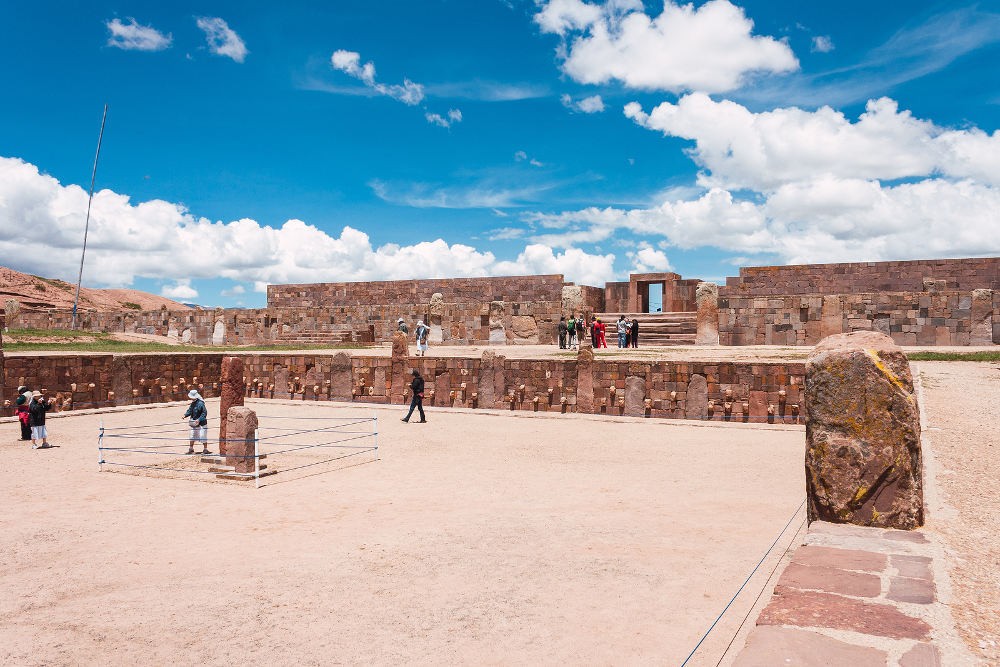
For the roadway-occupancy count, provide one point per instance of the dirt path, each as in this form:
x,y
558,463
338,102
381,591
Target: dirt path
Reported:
x,y
963,431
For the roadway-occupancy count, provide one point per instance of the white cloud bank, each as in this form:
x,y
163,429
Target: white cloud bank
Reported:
x,y
222,40
180,291
132,36
592,104
709,48
159,239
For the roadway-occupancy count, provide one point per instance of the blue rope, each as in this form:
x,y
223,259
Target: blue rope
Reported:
x,y
719,617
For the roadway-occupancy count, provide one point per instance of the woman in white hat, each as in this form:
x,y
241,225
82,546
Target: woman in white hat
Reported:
x,y
197,416
37,409
422,332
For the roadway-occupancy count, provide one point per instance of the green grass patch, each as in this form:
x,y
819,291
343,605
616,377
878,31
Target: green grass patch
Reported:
x,y
954,356
131,305
54,333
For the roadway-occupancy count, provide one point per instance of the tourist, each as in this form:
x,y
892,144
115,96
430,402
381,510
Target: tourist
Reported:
x,y
634,331
602,333
622,329
563,330
595,336
581,330
571,331
23,415
401,326
421,332
417,387
38,407
197,416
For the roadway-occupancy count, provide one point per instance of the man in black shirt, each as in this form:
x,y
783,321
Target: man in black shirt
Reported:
x,y
417,387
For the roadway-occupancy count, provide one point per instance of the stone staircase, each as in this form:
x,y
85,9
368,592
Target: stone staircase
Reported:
x,y
655,328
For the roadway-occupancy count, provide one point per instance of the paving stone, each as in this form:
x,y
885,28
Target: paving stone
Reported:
x,y
912,536
831,580
905,589
844,559
915,567
921,655
825,610
770,646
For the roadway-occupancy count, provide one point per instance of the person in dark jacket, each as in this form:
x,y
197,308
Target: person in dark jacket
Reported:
x,y
197,416
417,387
562,332
634,333
38,407
21,409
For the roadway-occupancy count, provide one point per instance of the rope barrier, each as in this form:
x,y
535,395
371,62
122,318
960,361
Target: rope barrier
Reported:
x,y
743,585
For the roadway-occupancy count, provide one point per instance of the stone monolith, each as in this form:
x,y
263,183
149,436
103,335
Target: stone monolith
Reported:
x,y
232,393
585,380
707,298
241,422
862,433
981,312
635,396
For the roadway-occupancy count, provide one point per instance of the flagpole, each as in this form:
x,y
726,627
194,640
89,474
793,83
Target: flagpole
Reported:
x,y
93,177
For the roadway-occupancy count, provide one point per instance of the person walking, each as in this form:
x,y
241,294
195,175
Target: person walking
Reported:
x,y
197,416
595,332
417,387
21,409
563,331
37,409
401,326
571,331
603,333
622,329
634,331
422,332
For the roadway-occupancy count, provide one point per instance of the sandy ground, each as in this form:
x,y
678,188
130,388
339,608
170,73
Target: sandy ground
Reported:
x,y
960,403
476,538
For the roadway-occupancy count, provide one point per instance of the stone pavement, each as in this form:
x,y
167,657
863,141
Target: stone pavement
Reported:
x,y
855,596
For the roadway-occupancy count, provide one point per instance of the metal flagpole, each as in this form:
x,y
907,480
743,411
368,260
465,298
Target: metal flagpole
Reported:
x,y
86,228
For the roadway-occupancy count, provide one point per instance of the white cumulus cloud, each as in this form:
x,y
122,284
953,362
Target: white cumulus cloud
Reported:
x,y
132,36
349,62
181,290
709,48
592,104
222,40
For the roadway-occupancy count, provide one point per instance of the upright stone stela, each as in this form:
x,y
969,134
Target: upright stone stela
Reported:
x,y
241,425
232,395
707,298
863,461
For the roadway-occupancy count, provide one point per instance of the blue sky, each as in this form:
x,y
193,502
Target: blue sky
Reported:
x,y
591,139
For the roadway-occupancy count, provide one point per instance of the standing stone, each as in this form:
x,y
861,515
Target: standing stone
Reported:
x,y
707,297
862,433
219,333
281,388
696,403
982,317
240,424
490,384
572,300
635,396
436,313
121,379
232,395
341,376
400,359
498,333
832,316
585,380
400,348
524,329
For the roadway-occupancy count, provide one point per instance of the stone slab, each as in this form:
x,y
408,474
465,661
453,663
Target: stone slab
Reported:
x,y
916,591
771,646
831,580
844,559
921,655
915,567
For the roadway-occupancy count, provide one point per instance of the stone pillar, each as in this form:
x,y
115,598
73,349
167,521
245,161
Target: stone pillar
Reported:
x,y
491,381
635,396
341,376
498,332
232,391
121,379
400,359
981,331
696,397
241,422
862,433
585,380
436,312
707,296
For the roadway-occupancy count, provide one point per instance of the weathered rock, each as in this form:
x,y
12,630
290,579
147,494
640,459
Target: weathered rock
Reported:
x,y
524,329
707,297
232,395
572,300
281,388
831,316
585,380
121,379
340,376
442,385
400,347
241,422
219,333
498,333
932,286
982,317
491,380
635,396
399,379
862,433
436,305
696,404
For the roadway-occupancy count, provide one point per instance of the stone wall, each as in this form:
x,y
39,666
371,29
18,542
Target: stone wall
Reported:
x,y
904,276
454,290
616,297
662,389
910,318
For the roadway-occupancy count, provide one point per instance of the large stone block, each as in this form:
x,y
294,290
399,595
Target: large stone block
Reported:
x,y
241,425
341,376
862,433
707,297
696,404
232,394
635,396
981,312
585,380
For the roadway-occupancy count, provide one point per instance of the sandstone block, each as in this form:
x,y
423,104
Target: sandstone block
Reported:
x,y
707,298
524,329
232,395
241,422
635,396
696,404
862,433
400,347
585,380
437,305
982,317
341,378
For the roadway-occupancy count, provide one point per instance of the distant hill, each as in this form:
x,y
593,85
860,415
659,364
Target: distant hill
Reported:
x,y
37,293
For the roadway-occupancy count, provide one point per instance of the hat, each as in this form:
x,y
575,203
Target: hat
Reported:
x,y
22,389
420,321
36,394
193,394
415,372
400,319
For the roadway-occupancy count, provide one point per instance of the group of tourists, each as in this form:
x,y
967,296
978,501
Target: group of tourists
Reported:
x,y
31,407
573,331
421,334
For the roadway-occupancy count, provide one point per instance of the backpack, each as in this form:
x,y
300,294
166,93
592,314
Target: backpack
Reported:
x,y
571,325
